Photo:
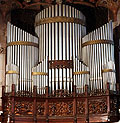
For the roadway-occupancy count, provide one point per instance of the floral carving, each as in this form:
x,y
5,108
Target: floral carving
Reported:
x,y
80,107
40,108
98,106
23,108
61,108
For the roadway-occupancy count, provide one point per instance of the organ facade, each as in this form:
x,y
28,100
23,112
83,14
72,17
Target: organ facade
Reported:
x,y
63,74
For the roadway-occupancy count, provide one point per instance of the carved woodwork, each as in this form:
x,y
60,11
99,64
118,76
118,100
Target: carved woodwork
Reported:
x,y
23,108
61,108
98,106
7,107
113,105
60,64
80,107
40,108
24,93
97,92
61,93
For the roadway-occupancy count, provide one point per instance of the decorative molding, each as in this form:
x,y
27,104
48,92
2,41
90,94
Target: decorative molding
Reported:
x,y
12,72
97,42
81,72
22,43
59,19
108,70
39,73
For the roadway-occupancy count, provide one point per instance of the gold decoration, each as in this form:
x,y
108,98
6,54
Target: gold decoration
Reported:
x,y
59,19
97,42
23,43
39,73
81,72
107,70
12,72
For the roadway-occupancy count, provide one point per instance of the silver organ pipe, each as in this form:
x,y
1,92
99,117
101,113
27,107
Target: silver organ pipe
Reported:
x,y
63,57
98,54
60,29
22,55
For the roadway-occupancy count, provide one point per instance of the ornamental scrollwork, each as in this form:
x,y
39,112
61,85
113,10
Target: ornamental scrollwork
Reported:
x,y
61,108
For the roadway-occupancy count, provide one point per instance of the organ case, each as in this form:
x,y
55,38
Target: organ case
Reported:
x,y
63,74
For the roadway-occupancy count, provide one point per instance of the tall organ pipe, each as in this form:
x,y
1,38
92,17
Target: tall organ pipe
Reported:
x,y
99,45
21,48
60,28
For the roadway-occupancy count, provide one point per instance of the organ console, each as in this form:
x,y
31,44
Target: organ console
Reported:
x,y
63,71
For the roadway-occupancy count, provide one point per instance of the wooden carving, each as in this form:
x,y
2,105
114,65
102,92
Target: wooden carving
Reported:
x,y
97,92
113,105
7,107
23,108
24,93
61,93
61,108
80,107
98,106
60,64
40,108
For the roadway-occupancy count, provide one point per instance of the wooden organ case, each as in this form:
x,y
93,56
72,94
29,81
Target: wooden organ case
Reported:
x,y
63,75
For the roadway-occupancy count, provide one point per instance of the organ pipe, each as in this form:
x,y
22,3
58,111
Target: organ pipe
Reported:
x,y
22,55
62,57
60,28
98,54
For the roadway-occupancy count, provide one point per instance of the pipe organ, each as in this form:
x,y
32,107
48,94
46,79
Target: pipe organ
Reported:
x,y
63,72
66,56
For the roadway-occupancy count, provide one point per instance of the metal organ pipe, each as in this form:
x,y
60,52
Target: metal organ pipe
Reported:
x,y
66,56
100,48
60,28
21,48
